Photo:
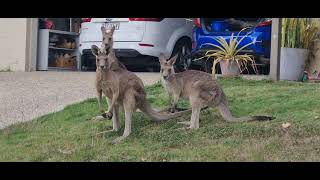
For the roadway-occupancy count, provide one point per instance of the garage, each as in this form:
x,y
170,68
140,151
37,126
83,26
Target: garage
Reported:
x,y
28,59
31,44
58,44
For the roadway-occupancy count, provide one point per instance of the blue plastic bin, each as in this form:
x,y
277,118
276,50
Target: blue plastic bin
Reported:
x,y
219,26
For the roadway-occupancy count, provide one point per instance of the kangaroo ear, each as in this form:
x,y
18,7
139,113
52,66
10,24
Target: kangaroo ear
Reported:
x,y
112,29
173,59
103,29
94,50
162,58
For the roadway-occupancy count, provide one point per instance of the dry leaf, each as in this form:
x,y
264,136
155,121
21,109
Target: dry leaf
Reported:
x,y
286,125
65,151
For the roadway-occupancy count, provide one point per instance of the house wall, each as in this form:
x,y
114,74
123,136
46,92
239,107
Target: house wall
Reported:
x,y
13,36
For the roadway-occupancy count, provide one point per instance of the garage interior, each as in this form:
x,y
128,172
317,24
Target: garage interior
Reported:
x,y
58,44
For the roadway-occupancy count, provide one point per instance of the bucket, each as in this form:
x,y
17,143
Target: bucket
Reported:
x,y
292,63
219,26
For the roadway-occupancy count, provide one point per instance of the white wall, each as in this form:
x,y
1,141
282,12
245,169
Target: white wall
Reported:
x,y
13,33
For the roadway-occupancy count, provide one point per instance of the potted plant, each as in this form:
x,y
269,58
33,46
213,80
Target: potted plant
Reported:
x,y
297,36
228,55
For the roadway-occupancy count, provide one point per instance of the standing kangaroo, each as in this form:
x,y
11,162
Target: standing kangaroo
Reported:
x,y
107,45
201,90
124,88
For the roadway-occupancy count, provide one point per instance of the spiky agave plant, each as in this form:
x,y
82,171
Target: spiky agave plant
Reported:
x,y
230,52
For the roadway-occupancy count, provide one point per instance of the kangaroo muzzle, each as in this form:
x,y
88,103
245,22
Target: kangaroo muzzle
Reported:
x,y
103,67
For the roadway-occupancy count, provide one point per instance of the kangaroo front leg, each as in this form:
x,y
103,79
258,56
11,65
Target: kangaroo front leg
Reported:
x,y
112,103
174,101
115,118
194,123
106,114
99,98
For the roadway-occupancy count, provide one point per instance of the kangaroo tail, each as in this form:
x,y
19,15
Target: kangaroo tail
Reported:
x,y
156,116
226,114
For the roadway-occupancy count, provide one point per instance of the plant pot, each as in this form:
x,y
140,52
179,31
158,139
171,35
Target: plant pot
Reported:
x,y
292,63
229,70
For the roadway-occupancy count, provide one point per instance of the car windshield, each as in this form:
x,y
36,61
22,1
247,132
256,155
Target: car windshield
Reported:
x,y
234,24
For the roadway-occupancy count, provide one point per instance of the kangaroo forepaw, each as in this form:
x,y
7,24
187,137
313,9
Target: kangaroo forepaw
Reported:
x,y
107,115
172,110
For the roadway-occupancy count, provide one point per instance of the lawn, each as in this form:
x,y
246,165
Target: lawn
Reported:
x,y
68,135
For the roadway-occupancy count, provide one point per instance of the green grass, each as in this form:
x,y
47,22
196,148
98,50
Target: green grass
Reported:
x,y
68,135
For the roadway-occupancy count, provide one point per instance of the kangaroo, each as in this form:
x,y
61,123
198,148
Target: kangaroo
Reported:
x,y
107,45
201,90
124,88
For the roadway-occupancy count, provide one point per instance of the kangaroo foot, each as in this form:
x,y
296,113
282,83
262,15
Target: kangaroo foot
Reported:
x,y
183,129
188,128
97,118
119,139
184,122
107,131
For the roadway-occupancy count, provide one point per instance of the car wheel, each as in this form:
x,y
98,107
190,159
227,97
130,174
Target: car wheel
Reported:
x,y
183,49
207,66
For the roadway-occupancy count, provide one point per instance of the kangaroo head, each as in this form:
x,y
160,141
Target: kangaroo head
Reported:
x,y
107,37
101,57
166,65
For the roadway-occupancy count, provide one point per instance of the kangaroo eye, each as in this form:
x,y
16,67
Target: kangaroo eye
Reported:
x,y
169,70
109,39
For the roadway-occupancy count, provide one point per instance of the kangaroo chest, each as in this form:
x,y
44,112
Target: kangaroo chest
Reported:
x,y
106,83
174,89
106,87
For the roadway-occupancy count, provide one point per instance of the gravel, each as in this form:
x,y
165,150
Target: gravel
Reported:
x,y
28,95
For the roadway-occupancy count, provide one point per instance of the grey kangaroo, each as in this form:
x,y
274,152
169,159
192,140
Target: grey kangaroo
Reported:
x,y
201,90
107,44
124,88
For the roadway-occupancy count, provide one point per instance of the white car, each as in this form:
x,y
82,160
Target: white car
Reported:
x,y
139,41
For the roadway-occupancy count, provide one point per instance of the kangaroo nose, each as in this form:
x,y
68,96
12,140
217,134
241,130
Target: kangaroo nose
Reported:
x,y
102,67
165,77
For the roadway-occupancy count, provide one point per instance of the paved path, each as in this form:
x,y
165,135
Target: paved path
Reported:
x,y
27,95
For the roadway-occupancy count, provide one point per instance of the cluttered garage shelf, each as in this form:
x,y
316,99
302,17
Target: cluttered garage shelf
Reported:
x,y
58,44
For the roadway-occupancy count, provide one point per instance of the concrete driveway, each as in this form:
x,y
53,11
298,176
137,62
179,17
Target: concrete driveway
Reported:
x,y
27,95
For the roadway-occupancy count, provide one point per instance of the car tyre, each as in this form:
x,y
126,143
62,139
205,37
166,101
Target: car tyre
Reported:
x,y
182,48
